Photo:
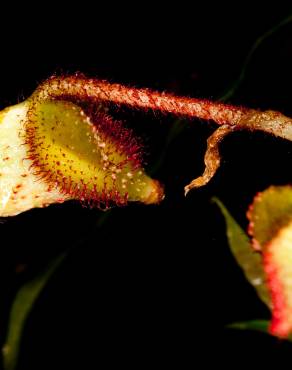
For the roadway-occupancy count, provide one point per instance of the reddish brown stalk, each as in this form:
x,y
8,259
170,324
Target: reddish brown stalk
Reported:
x,y
81,89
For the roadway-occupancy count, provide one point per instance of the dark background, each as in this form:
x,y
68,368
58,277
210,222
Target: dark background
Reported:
x,y
150,285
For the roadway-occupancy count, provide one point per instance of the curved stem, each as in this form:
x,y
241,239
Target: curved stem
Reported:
x,y
82,88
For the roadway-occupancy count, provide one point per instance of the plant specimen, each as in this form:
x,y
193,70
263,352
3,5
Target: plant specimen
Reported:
x,y
61,144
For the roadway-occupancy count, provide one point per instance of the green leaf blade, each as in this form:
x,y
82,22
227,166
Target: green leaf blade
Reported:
x,y
249,261
21,308
256,325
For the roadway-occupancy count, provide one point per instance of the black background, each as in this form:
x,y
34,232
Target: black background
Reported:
x,y
149,285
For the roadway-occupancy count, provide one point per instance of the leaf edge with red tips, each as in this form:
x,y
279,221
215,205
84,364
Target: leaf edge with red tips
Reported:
x,y
270,227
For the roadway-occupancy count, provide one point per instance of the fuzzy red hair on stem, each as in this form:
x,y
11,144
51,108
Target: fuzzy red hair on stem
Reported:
x,y
229,117
76,151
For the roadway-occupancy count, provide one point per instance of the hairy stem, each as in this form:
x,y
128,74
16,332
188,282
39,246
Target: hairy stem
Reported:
x,y
83,88
80,88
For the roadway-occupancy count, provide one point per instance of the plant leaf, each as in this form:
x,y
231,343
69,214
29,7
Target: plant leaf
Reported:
x,y
91,159
270,211
257,325
21,308
247,259
270,226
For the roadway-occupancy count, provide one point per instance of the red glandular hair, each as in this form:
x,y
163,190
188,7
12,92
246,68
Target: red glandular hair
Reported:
x,y
58,172
83,89
94,95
